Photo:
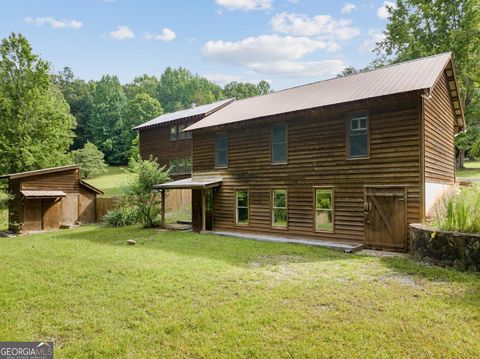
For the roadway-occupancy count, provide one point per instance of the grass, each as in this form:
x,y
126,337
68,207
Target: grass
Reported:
x,y
472,170
178,294
110,181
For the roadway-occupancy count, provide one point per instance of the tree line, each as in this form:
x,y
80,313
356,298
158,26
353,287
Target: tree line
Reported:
x,y
47,119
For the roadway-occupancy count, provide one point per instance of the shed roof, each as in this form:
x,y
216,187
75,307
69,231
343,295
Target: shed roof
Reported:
x,y
39,172
188,113
42,194
90,187
191,183
420,74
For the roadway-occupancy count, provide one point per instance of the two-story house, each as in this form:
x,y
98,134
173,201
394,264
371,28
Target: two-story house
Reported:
x,y
352,159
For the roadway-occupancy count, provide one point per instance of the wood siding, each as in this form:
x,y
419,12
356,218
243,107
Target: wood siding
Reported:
x,y
439,135
317,156
156,142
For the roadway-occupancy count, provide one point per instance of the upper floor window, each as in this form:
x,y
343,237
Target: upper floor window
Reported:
x,y
358,136
173,133
221,150
181,134
176,132
279,144
181,166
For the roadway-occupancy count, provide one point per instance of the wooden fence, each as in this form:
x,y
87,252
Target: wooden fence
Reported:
x,y
174,200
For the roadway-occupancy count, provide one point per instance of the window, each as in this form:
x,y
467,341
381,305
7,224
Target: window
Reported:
x,y
188,135
181,166
173,133
241,200
279,208
221,153
181,134
173,167
324,209
188,166
279,144
358,136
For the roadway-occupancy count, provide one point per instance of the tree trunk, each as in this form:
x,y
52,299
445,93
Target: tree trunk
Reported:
x,y
461,159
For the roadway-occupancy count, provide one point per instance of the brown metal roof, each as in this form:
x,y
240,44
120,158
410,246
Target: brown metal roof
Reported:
x,y
193,112
403,77
42,194
191,183
40,172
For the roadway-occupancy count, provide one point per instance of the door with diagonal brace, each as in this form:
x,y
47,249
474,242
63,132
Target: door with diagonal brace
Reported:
x,y
386,217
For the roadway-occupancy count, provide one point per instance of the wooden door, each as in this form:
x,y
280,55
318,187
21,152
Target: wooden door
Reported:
x,y
51,213
32,217
386,217
209,209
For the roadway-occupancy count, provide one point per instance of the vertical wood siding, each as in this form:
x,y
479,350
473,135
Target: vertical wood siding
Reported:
x,y
439,119
316,157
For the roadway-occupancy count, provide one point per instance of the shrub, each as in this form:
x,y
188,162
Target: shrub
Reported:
x,y
90,159
138,190
121,216
460,211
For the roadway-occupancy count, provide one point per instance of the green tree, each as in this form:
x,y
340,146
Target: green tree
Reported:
x,y
90,159
179,88
138,190
142,84
241,90
419,28
107,126
36,127
78,94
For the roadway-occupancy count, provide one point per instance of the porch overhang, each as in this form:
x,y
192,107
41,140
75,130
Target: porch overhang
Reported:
x,y
39,194
191,183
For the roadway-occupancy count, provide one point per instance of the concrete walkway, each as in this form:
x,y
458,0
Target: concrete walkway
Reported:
x,y
344,247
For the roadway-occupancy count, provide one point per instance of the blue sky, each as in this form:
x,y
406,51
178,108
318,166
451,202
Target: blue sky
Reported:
x,y
286,42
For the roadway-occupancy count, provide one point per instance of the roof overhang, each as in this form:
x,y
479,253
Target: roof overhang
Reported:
x,y
40,172
455,95
191,183
90,187
39,194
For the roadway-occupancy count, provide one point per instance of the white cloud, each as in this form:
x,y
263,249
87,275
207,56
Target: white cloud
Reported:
x,y
370,42
222,79
382,11
54,23
348,8
301,68
166,35
321,25
274,54
122,33
245,5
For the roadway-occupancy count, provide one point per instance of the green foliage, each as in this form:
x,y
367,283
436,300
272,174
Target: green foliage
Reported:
x,y
35,121
179,88
138,189
142,108
241,90
142,84
460,211
121,217
78,94
419,28
108,128
91,161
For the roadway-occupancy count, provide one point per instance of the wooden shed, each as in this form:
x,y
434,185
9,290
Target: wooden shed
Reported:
x,y
50,198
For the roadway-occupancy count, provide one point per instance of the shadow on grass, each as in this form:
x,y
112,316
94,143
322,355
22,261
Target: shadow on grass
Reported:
x,y
234,251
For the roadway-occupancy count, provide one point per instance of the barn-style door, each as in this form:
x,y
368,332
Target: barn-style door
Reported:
x,y
386,217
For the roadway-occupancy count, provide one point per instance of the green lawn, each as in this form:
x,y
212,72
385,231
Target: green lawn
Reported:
x,y
110,181
472,170
180,294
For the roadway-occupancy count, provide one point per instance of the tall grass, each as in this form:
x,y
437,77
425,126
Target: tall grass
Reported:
x,y
460,211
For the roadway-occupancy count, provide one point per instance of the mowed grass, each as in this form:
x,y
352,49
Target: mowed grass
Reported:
x,y
110,181
472,170
178,294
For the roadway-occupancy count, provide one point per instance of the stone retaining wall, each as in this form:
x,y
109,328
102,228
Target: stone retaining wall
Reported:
x,y
446,249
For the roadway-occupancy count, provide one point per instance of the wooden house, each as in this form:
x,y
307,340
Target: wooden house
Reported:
x,y
164,137
50,198
353,159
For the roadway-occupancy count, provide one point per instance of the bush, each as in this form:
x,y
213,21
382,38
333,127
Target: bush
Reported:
x,y
138,190
460,211
90,159
121,216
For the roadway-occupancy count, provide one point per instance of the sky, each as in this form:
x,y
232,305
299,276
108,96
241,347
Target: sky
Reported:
x,y
286,42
